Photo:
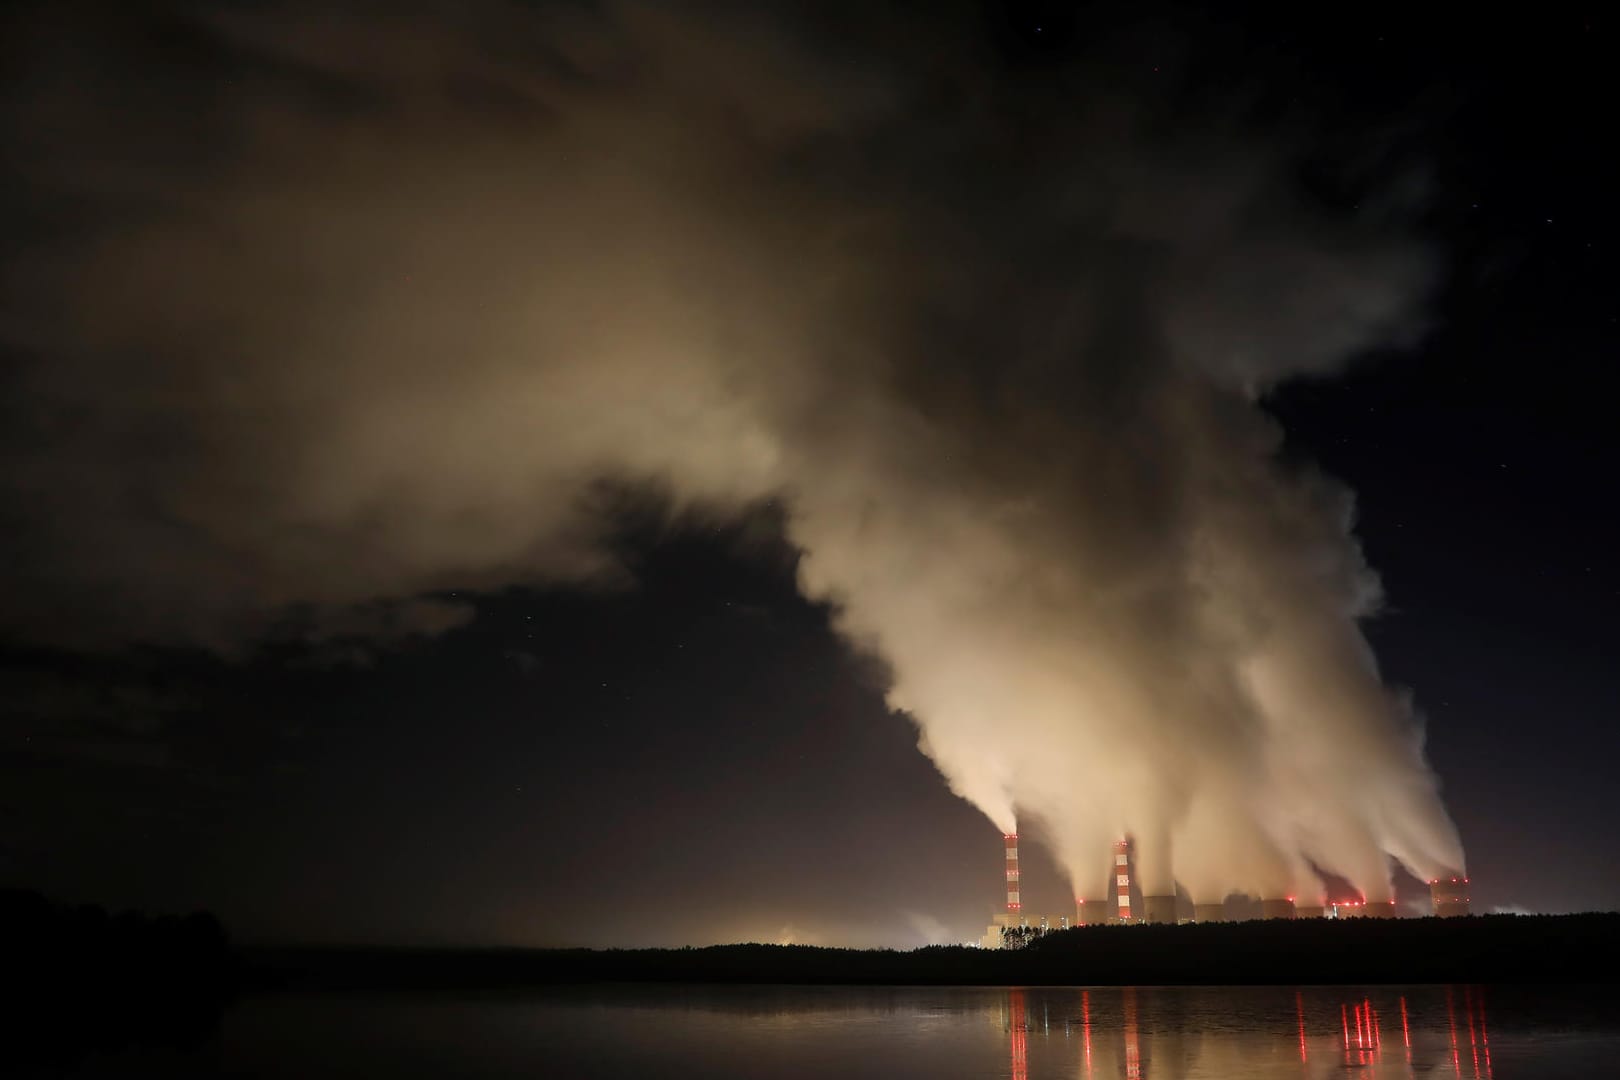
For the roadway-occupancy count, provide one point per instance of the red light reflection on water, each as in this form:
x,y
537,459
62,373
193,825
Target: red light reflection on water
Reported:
x,y
1133,1048
1299,1011
1085,1025
1473,1041
1450,1017
1364,1034
1020,1035
1369,1034
1361,1033
1479,1039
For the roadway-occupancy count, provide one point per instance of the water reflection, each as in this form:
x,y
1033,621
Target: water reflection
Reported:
x,y
1020,1036
1133,1046
808,1033
1085,1012
1185,1034
1299,1013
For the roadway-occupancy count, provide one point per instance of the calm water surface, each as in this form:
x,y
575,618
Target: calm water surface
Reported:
x,y
858,1032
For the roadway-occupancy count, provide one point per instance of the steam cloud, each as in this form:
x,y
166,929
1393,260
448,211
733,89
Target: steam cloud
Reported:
x,y
328,314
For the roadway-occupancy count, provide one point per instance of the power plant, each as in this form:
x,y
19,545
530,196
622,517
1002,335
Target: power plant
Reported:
x,y
1122,879
1014,905
1277,909
1159,910
1012,916
1099,911
1092,912
1449,896
1010,928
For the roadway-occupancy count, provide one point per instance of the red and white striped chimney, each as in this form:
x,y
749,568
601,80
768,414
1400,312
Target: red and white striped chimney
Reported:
x,y
1122,879
1014,906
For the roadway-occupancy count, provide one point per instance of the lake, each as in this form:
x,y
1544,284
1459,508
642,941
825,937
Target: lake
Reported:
x,y
1161,1033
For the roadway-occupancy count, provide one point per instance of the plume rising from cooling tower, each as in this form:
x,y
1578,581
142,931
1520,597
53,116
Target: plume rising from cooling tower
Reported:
x,y
1001,363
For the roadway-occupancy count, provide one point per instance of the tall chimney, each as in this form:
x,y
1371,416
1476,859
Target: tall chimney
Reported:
x,y
1014,906
1122,880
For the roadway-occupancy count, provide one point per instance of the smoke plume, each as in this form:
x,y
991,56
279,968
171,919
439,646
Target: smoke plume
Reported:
x,y
319,313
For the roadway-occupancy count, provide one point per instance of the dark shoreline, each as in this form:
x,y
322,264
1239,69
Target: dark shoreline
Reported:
x,y
1488,949
93,982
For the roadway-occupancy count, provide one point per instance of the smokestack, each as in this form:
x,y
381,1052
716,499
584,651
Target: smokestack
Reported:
x,y
1450,896
1277,909
1204,913
1159,910
1122,880
1014,906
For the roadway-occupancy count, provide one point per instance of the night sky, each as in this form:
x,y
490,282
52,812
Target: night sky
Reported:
x,y
675,745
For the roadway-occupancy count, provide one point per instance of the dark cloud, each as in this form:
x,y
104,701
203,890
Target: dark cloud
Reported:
x,y
326,316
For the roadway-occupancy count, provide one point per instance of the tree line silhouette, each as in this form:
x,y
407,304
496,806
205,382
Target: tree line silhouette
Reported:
x,y
84,979
87,979
1488,949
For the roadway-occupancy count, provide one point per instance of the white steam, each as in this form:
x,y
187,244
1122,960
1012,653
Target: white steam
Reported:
x,y
377,322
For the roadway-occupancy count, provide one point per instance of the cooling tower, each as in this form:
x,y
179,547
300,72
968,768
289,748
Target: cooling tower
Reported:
x,y
1276,909
1309,911
1014,906
1159,910
1209,912
1450,896
1093,912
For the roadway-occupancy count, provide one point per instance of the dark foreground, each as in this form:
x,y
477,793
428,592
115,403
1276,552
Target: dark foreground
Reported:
x,y
1563,949
168,996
